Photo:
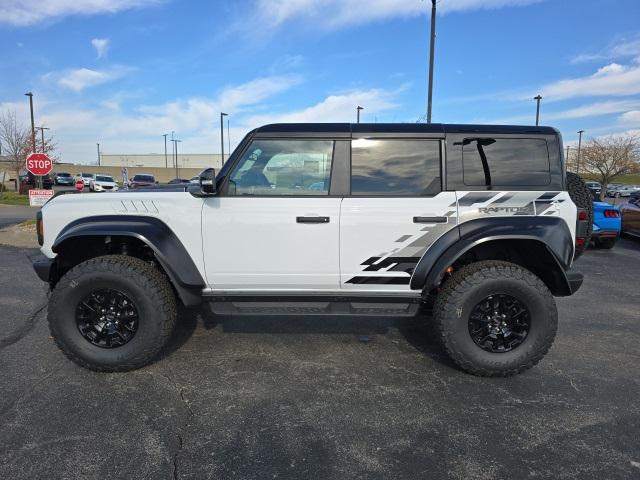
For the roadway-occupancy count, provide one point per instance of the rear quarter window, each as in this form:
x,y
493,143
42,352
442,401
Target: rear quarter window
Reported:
x,y
505,162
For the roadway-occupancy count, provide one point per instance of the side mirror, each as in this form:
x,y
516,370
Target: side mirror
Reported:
x,y
207,181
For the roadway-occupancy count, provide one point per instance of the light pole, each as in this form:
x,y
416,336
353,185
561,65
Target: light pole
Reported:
x,y
537,98
580,132
166,164
358,109
228,139
98,148
42,129
175,148
222,115
432,46
566,158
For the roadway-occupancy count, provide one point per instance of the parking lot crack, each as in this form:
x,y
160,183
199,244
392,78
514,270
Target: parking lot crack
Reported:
x,y
180,391
23,330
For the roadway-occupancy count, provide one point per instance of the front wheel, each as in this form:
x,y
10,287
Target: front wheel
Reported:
x,y
495,319
112,313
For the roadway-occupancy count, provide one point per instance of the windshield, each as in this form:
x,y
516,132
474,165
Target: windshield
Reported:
x,y
88,175
64,174
143,178
102,178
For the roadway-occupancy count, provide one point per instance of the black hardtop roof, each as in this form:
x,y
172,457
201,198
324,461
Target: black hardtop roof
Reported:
x,y
442,128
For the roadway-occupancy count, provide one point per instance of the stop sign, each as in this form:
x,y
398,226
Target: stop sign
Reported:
x,y
79,185
39,164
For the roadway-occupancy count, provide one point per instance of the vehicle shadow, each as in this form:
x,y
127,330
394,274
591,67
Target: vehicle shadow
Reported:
x,y
418,330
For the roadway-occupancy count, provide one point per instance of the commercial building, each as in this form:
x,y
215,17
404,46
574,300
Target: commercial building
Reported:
x,y
158,160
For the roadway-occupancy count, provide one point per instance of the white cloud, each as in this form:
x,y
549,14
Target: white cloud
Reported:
x,y
334,108
80,78
632,116
624,48
30,12
611,80
101,45
337,13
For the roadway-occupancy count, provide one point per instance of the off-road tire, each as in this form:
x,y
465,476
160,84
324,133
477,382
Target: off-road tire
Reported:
x,y
581,196
605,243
146,286
468,286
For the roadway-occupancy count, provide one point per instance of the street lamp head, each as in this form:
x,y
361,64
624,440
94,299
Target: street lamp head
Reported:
x,y
29,94
538,97
222,114
580,132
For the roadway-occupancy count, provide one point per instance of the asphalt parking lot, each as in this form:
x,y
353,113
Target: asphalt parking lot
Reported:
x,y
296,397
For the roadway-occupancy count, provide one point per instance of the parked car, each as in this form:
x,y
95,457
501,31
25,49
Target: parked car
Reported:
x,y
142,180
103,183
63,178
606,224
86,178
630,212
623,191
595,188
331,216
28,180
179,181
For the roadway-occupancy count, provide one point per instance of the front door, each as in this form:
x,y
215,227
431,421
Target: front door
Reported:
x,y
275,228
396,210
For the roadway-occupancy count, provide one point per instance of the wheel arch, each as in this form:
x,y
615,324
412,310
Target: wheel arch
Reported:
x,y
139,236
542,245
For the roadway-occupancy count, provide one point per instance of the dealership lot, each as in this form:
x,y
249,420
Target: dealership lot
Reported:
x,y
296,397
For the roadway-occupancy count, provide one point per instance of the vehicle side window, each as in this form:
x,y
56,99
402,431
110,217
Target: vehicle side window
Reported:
x,y
283,167
505,162
395,167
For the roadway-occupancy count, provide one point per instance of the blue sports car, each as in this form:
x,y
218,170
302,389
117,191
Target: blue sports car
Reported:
x,y
606,224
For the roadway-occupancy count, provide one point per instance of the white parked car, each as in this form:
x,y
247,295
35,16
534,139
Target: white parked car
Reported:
x,y
86,178
103,183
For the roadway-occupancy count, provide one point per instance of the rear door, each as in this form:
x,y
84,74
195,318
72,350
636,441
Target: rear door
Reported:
x,y
396,209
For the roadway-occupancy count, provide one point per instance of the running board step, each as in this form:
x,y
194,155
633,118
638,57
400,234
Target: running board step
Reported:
x,y
400,309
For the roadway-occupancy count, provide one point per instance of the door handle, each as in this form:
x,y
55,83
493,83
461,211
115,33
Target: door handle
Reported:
x,y
430,219
312,219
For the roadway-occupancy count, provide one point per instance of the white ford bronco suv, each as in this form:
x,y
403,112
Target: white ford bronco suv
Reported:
x,y
480,222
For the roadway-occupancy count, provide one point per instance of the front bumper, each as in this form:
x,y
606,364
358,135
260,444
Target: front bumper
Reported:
x,y
43,266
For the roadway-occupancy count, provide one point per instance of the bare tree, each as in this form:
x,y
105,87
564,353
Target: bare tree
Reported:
x,y
607,158
16,141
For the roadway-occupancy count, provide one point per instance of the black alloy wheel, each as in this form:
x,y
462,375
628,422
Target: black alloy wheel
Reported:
x,y
107,318
499,323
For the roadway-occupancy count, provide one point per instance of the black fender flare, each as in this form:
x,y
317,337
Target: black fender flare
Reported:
x,y
552,232
167,248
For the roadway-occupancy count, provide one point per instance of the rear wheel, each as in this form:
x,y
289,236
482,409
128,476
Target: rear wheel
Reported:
x,y
581,196
112,313
605,243
495,318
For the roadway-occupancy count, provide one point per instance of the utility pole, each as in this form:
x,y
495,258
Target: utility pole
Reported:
x,y
98,147
166,164
33,134
580,132
537,98
431,55
566,158
222,115
42,129
358,109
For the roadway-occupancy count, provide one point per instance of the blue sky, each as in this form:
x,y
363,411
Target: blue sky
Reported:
x,y
123,72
